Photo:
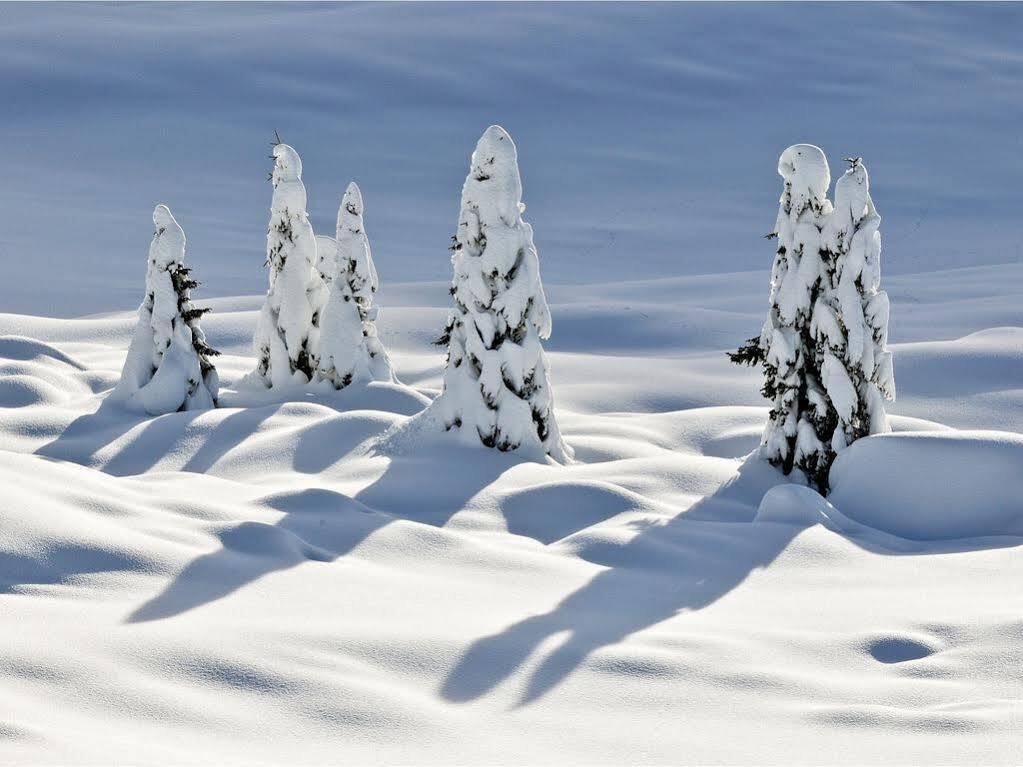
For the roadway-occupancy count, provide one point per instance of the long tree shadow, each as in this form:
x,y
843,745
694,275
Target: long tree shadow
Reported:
x,y
686,564
319,526
83,438
228,434
60,565
322,525
153,438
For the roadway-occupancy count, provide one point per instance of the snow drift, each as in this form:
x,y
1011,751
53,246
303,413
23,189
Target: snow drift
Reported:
x,y
274,580
933,485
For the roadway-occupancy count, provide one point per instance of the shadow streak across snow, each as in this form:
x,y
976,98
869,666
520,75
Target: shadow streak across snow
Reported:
x,y
688,563
322,525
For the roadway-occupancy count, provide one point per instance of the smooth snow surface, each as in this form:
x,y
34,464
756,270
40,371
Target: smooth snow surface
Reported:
x,y
930,486
297,577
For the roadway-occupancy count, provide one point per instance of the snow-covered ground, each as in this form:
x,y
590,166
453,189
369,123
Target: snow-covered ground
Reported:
x,y
309,581
301,577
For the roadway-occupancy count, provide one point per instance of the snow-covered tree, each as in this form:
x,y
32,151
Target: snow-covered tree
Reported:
x,y
496,382
286,333
350,349
326,257
850,318
168,367
801,420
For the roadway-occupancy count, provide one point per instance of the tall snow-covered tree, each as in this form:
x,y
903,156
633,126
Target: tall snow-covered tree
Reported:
x,y
286,333
801,420
850,318
350,349
169,364
496,382
326,257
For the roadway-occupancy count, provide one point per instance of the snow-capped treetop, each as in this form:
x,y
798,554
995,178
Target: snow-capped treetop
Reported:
x,y
493,185
490,227
802,210
805,167
289,191
169,245
807,178
852,205
166,249
353,243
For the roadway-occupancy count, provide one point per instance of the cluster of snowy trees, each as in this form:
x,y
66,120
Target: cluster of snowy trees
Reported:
x,y
317,325
823,347
318,322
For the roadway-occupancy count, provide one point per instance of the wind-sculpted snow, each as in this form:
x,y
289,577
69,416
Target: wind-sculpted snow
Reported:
x,y
300,574
927,486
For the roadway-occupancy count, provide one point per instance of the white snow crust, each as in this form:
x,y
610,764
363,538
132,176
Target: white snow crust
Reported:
x,y
299,576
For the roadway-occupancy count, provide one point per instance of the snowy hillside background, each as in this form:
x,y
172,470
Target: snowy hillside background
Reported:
x,y
301,577
650,132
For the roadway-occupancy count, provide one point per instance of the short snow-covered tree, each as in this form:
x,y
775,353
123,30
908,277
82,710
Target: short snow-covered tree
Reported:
x,y
350,349
850,318
801,420
496,382
169,365
286,333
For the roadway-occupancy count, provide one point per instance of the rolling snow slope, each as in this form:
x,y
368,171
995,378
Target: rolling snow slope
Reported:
x,y
311,578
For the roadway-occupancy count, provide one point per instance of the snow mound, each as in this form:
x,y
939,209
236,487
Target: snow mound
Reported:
x,y
27,349
303,572
25,390
35,373
933,485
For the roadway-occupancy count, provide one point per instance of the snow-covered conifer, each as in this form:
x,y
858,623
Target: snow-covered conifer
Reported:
x,y
326,257
286,333
496,382
168,367
850,318
350,349
801,420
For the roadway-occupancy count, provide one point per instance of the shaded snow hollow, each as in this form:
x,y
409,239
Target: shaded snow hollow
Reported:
x,y
306,580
